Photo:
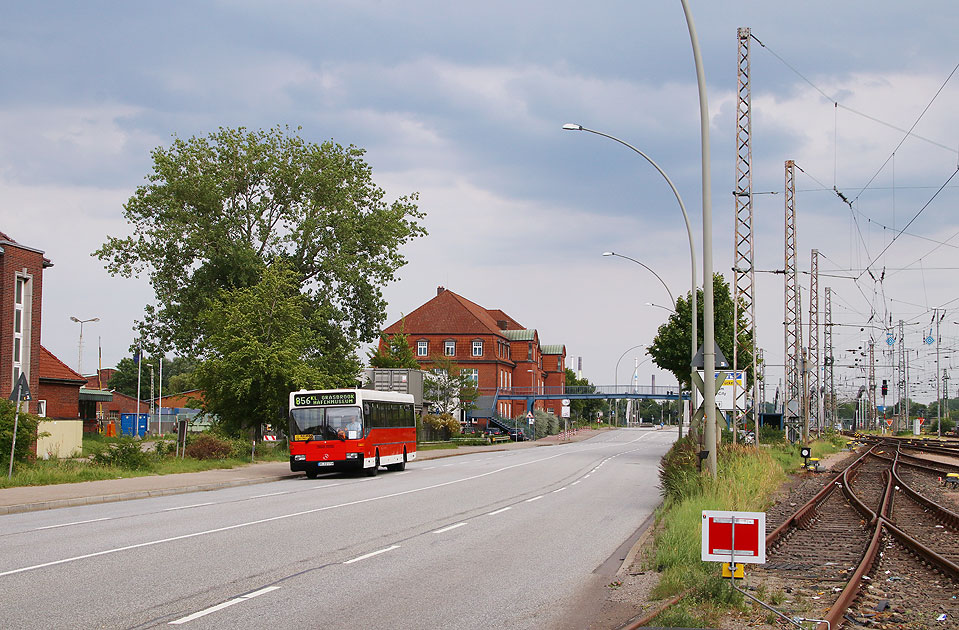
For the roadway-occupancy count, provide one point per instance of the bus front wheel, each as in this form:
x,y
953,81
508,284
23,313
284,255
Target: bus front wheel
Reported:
x,y
371,472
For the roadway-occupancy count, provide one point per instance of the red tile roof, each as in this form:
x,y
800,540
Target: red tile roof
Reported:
x,y
55,369
447,313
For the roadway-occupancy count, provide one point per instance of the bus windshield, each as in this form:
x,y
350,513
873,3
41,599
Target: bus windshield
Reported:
x,y
332,423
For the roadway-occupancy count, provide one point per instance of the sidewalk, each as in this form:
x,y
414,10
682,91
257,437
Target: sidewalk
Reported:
x,y
33,498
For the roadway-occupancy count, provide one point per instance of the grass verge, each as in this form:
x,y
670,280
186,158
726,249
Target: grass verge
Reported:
x,y
747,478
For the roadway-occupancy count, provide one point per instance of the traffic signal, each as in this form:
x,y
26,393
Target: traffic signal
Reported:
x,y
885,387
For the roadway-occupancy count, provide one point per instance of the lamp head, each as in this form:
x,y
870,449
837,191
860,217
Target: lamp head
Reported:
x,y
609,253
572,127
95,319
74,319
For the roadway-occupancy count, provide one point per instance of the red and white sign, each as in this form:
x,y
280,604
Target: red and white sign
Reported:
x,y
889,422
921,420
269,438
723,529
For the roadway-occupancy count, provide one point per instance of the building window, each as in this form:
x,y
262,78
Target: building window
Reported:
x,y
449,348
472,374
559,364
422,348
42,408
18,316
477,348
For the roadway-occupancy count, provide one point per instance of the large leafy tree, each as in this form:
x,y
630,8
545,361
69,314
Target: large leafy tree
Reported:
x,y
266,341
218,210
670,347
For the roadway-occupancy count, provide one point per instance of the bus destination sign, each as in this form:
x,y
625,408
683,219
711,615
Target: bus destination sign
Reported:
x,y
324,399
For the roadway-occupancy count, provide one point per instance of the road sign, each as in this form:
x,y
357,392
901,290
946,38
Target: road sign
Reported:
x,y
269,438
21,391
529,417
723,529
566,402
889,421
564,411
724,393
921,420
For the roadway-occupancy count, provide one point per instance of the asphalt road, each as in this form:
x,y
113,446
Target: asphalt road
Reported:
x,y
511,539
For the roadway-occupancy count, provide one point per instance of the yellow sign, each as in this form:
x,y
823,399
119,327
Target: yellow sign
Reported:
x,y
302,437
738,572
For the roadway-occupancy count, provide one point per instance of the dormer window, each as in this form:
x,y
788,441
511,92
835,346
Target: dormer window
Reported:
x,y
422,348
449,348
477,348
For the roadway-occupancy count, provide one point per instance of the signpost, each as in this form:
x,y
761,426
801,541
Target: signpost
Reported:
x,y
734,538
21,392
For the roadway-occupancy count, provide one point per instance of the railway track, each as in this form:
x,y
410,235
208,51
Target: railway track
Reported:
x,y
874,546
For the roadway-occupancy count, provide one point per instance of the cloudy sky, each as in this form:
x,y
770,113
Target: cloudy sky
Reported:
x,y
464,103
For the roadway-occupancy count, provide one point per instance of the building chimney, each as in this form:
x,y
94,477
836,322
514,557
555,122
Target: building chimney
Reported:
x,y
440,290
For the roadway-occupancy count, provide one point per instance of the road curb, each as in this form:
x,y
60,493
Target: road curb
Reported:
x,y
139,494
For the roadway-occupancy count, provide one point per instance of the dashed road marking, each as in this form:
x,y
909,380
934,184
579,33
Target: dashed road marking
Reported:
x,y
186,507
92,520
226,604
446,529
501,510
372,553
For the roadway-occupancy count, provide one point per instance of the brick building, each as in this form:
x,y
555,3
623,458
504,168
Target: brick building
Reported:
x,y
21,290
58,395
491,347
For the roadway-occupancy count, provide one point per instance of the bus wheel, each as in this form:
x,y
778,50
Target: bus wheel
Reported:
x,y
311,474
371,472
401,466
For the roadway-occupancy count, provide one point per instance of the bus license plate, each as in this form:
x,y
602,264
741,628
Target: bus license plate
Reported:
x,y
324,463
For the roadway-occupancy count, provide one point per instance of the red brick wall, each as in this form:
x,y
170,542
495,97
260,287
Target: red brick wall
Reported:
x,y
63,400
13,261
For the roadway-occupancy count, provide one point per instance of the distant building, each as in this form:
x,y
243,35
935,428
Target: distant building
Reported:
x,y
492,348
21,291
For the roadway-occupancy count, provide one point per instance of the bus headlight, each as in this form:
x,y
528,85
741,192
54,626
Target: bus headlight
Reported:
x,y
352,456
299,458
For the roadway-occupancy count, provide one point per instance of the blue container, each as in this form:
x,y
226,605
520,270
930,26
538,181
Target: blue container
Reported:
x,y
127,421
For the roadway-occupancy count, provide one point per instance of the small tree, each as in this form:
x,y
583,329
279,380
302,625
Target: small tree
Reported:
x,y
394,351
448,388
26,431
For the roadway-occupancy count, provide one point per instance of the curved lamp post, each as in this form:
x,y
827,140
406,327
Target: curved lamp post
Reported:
x,y
694,309
672,300
80,344
616,374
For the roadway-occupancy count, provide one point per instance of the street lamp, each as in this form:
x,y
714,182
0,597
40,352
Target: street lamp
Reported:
x,y
616,374
672,300
80,344
665,308
694,310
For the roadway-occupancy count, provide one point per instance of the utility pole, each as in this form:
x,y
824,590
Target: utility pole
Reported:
x,y
935,314
945,390
871,385
792,324
901,385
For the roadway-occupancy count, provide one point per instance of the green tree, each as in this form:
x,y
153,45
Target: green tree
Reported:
x,y
264,342
394,351
670,347
217,211
586,409
176,372
447,387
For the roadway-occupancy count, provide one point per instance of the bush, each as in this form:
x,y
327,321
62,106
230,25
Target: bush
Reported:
x,y
207,446
26,431
124,454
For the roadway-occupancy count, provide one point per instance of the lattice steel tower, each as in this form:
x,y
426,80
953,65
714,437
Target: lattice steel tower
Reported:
x,y
829,400
792,321
815,383
871,386
743,271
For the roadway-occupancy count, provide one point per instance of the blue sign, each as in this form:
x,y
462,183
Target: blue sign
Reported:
x,y
890,340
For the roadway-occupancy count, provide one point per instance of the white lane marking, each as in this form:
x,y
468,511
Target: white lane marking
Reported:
x,y
500,511
533,499
212,609
186,507
270,494
271,519
329,485
559,490
575,482
92,520
446,529
372,553
587,476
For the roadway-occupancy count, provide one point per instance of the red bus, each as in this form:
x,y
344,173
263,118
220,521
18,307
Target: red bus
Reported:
x,y
351,429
